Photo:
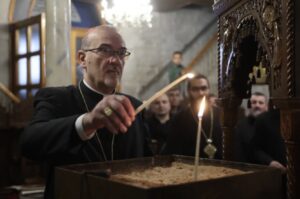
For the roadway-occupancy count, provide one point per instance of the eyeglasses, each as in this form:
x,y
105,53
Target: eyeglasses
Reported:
x,y
108,51
198,88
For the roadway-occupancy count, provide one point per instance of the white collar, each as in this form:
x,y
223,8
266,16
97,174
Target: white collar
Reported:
x,y
87,85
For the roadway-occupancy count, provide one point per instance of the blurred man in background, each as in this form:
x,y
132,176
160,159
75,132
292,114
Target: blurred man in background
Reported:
x,y
159,123
245,128
182,139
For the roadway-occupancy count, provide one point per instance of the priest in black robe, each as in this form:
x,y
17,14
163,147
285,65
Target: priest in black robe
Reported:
x,y
90,122
182,137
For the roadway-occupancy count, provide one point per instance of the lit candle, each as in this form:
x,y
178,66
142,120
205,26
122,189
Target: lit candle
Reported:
x,y
198,139
162,91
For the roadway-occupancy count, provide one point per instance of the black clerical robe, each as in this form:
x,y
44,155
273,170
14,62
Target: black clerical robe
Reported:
x,y
182,138
159,132
51,136
244,132
268,143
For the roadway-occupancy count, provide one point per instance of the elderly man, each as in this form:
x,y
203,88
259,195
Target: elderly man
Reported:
x,y
182,138
90,122
245,128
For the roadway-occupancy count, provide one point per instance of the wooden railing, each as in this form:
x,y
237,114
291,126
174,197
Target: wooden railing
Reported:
x,y
201,53
190,66
9,94
194,61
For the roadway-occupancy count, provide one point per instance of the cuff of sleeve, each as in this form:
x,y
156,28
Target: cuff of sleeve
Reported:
x,y
80,130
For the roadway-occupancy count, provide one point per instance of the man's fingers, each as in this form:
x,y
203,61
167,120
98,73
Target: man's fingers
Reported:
x,y
116,122
115,112
127,105
120,110
109,125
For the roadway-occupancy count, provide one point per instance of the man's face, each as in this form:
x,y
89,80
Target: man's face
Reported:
x,y
174,97
177,59
198,89
258,105
161,106
101,70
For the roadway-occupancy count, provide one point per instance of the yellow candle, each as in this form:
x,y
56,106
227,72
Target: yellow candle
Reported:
x,y
198,139
162,91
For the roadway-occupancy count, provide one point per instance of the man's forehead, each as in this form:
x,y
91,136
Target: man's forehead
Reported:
x,y
199,82
107,36
163,97
174,92
258,97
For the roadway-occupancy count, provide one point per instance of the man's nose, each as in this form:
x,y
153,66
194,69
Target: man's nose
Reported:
x,y
115,58
201,92
256,106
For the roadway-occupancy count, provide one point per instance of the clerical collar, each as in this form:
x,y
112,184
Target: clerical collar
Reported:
x,y
89,87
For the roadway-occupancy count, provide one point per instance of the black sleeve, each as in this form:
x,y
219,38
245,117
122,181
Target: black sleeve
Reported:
x,y
143,127
239,153
147,148
218,134
51,134
259,155
174,142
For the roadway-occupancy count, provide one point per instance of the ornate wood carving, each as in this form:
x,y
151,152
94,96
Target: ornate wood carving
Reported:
x,y
265,22
221,6
293,174
228,120
290,64
254,31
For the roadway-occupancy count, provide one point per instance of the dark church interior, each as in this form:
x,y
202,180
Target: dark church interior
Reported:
x,y
94,91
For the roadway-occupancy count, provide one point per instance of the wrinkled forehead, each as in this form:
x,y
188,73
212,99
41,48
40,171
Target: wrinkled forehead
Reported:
x,y
105,35
258,98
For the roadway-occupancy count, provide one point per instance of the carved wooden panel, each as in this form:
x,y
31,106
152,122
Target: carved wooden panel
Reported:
x,y
254,32
293,174
262,31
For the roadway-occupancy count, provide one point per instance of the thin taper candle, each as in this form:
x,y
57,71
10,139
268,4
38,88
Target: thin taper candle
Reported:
x,y
162,91
198,138
197,153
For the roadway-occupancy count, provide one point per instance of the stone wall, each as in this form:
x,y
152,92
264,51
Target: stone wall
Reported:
x,y
4,52
152,47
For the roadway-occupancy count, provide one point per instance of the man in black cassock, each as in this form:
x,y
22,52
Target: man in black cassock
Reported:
x,y
257,137
245,128
90,122
182,138
268,144
159,123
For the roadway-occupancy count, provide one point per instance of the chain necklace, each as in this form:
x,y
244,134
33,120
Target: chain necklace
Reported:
x,y
210,149
98,139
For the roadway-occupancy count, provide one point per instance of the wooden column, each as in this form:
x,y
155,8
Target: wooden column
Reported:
x,y
229,117
290,129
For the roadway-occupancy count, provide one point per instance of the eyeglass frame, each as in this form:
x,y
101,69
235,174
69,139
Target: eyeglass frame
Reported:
x,y
111,53
198,88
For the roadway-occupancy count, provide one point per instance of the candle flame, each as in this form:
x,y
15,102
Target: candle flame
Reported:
x,y
202,107
190,75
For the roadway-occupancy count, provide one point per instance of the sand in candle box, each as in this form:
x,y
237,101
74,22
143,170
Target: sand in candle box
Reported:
x,y
177,173
86,181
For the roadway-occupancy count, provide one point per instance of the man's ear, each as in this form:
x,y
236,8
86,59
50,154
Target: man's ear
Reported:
x,y
81,59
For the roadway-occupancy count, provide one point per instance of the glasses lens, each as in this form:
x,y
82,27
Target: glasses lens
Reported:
x,y
199,88
107,51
